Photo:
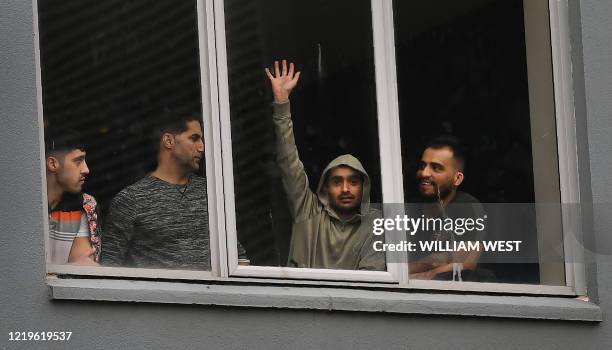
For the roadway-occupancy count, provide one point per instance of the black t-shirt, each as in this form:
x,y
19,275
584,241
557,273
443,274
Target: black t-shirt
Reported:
x,y
459,221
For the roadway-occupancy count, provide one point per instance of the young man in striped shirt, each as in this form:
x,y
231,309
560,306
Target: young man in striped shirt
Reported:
x,y
70,238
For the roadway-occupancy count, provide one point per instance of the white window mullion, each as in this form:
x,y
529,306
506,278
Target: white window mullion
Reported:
x,y
215,110
388,116
568,150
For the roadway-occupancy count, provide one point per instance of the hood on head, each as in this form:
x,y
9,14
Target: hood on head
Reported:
x,y
351,162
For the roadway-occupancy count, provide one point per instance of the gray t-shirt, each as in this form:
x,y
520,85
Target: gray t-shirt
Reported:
x,y
156,224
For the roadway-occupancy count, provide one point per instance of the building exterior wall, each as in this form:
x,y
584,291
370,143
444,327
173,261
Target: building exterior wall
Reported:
x,y
26,304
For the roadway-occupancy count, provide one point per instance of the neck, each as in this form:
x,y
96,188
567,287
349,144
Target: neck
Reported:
x,y
54,192
433,210
448,199
344,215
171,173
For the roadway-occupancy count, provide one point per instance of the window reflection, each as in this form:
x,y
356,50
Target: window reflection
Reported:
x,y
333,112
119,73
466,70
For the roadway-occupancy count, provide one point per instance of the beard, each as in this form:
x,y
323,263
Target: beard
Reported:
x,y
69,185
339,208
444,190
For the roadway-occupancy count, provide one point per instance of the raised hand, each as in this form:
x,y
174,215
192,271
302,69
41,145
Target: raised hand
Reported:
x,y
283,81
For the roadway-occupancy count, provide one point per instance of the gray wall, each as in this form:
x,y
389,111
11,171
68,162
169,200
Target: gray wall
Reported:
x,y
25,303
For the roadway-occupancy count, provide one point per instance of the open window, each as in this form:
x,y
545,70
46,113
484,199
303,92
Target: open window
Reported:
x,y
379,79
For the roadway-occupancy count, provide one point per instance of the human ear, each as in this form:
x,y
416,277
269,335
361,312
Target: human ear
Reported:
x,y
167,140
53,164
458,178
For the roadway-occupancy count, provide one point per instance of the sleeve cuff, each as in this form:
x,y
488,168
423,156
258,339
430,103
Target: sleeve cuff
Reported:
x,y
281,109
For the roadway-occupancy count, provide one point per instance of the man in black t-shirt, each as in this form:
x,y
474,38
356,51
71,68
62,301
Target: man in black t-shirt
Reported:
x,y
439,175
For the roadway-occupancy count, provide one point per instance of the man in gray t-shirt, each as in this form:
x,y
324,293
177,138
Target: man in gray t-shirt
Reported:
x,y
161,221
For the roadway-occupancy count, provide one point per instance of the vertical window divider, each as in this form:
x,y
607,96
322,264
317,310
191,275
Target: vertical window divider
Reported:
x,y
211,113
567,146
388,117
41,137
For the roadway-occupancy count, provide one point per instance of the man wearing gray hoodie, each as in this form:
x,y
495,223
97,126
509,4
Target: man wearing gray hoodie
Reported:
x,y
332,228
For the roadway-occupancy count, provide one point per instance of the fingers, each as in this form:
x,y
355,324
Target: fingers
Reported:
x,y
283,71
91,252
297,77
284,67
291,70
269,74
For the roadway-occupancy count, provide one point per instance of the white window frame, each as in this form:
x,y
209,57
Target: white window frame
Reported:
x,y
391,160
390,163
219,168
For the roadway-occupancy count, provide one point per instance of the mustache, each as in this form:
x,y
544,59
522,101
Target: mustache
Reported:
x,y
346,196
428,179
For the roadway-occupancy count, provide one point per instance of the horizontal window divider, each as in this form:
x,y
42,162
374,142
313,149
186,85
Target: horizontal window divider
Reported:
x,y
128,272
318,274
330,299
487,287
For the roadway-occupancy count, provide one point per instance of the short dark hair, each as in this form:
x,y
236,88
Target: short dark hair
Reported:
x,y
174,123
59,140
451,143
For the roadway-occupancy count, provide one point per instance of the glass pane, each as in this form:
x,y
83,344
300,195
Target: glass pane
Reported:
x,y
333,109
479,72
121,85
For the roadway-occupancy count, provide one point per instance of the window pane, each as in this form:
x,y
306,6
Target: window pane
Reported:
x,y
479,71
333,109
122,73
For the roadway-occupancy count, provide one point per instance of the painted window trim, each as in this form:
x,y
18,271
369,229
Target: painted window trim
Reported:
x,y
388,112
325,298
384,51
224,261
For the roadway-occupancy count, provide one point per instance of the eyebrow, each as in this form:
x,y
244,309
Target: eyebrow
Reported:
x,y
350,177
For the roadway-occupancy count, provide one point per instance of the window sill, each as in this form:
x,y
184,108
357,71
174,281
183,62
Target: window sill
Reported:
x,y
530,307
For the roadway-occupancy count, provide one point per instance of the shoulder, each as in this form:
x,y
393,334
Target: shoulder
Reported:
x,y
373,213
144,183
89,203
141,186
198,183
131,192
464,203
464,197
87,198
198,180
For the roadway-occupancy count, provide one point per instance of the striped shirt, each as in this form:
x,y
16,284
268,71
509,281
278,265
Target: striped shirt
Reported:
x,y
64,226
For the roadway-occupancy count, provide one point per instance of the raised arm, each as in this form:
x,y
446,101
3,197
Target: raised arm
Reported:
x,y
302,202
